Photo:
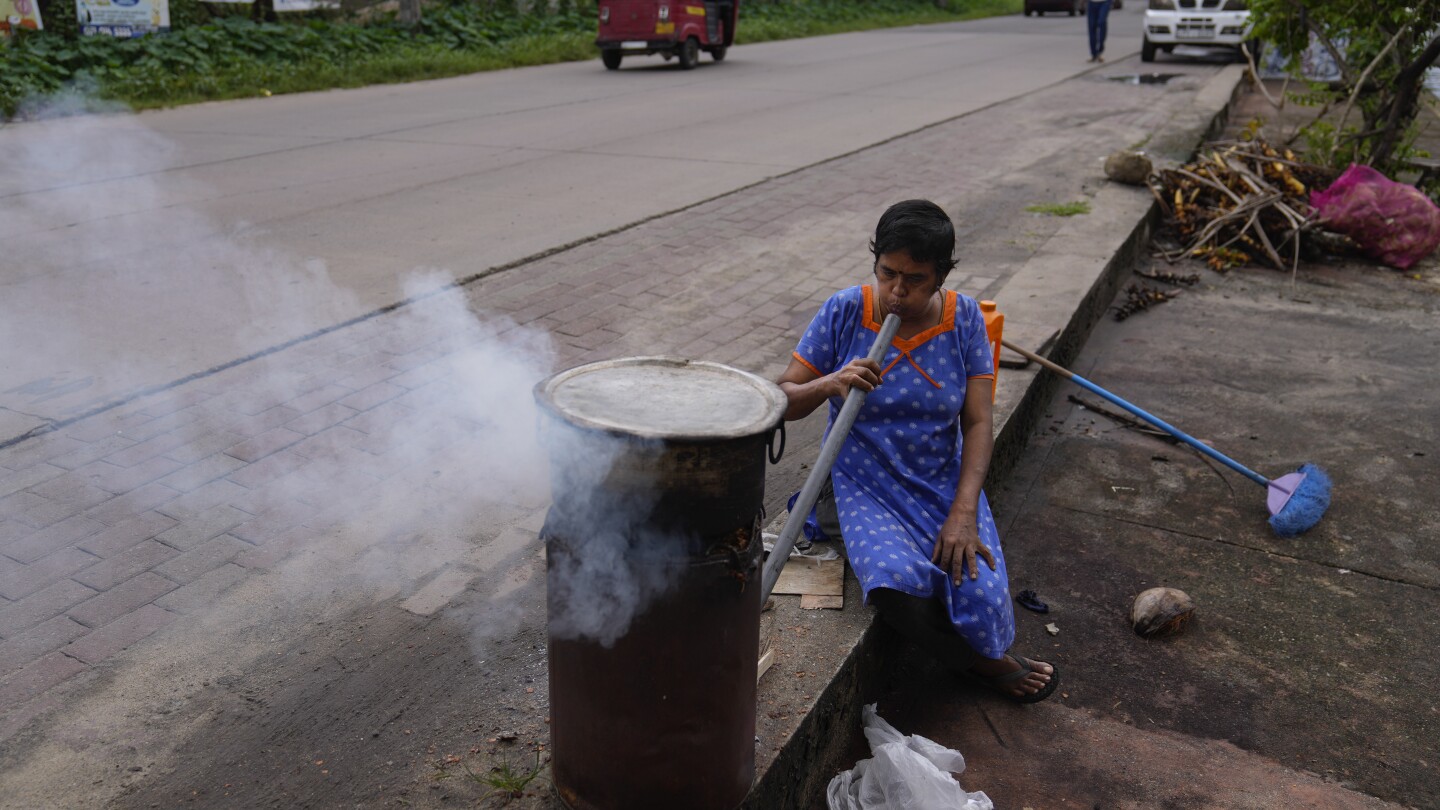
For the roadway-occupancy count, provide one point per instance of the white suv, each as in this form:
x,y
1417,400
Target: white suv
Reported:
x,y
1216,23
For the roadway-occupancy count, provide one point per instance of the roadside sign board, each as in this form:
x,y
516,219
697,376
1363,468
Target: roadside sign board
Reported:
x,y
292,5
123,18
19,14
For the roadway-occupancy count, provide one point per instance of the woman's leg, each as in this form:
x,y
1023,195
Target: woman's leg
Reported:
x,y
826,515
924,622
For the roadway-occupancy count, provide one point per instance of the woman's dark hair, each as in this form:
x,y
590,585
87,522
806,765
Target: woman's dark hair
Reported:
x,y
921,229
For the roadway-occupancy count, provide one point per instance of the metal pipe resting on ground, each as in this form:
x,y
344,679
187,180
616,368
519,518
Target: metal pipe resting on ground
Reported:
x,y
829,451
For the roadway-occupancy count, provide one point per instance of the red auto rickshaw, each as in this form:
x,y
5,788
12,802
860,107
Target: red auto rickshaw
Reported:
x,y
671,28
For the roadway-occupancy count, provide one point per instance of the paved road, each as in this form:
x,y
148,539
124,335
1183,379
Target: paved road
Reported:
x,y
142,249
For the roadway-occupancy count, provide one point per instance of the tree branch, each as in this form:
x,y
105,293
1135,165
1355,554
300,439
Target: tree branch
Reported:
x,y
1340,127
1260,83
1403,108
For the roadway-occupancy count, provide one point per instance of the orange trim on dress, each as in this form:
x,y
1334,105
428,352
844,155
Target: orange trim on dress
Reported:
x,y
990,377
868,321
907,345
908,356
947,324
806,363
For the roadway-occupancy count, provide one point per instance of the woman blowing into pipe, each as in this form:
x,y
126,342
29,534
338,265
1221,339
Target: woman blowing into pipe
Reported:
x,y
906,493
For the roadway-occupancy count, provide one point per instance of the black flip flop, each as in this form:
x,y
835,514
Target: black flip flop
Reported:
x,y
1001,683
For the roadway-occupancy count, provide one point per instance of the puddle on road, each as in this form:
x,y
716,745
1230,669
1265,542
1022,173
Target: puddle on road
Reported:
x,y
1144,78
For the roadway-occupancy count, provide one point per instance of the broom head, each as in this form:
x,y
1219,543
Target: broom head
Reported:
x,y
1297,501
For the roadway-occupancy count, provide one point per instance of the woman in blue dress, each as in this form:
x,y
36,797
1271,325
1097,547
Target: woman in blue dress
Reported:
x,y
906,495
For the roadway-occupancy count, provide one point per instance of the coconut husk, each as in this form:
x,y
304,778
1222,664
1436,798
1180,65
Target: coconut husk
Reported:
x,y
1161,612
1128,167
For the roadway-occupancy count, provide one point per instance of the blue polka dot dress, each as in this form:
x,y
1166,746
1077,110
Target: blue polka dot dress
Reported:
x,y
897,474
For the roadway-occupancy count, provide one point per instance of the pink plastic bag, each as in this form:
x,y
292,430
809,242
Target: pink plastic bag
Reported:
x,y
1391,221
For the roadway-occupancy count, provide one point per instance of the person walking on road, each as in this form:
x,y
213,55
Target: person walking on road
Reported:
x,y
1097,13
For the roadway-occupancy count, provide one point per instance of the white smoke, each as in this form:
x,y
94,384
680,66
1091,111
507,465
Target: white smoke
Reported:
x,y
601,588
607,562
426,486
117,283
97,230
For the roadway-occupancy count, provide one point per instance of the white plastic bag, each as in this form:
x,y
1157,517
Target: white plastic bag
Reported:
x,y
809,552
906,773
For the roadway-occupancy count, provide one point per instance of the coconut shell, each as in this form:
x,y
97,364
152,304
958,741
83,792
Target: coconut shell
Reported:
x,y
1128,167
1161,612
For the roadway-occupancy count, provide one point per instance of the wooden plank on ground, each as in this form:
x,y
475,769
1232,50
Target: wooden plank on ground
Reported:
x,y
801,576
766,660
814,601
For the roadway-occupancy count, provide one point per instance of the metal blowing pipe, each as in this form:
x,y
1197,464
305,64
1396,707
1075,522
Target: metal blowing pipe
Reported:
x,y
829,451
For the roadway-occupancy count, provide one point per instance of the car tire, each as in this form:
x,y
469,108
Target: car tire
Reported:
x,y
1147,49
1028,11
1072,11
688,53
611,57
718,53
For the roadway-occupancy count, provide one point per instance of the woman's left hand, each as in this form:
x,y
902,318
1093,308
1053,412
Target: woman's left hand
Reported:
x,y
958,546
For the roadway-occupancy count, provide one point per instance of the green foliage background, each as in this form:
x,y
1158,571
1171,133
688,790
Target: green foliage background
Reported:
x,y
1381,127
217,52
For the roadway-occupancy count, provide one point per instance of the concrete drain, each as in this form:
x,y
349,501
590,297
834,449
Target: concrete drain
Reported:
x,y
1144,78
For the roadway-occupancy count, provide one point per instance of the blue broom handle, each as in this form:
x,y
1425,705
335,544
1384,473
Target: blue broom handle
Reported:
x,y
1148,417
829,451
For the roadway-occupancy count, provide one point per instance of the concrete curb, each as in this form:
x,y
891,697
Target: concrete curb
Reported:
x,y
1078,271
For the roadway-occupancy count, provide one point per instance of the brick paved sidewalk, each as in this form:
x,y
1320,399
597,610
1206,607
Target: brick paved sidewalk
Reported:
x,y
113,527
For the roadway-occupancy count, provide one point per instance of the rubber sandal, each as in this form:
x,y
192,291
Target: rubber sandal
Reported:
x,y
1000,683
1031,601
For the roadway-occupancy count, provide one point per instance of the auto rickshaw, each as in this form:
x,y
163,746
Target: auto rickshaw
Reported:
x,y
672,28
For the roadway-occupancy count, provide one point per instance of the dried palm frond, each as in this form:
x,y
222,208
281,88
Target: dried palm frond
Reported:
x,y
1239,202
1140,297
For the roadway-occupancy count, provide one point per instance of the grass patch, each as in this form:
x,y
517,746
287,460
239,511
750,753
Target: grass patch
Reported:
x,y
230,57
504,781
1069,209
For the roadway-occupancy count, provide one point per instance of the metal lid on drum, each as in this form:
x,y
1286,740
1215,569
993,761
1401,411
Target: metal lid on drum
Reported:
x,y
664,398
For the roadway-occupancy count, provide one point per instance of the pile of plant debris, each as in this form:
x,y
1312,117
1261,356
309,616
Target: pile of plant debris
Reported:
x,y
1242,202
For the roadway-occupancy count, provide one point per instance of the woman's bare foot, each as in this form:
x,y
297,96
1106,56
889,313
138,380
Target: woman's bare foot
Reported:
x,y
1032,683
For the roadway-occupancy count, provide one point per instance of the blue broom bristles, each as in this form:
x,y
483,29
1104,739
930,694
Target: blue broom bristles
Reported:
x,y
1306,506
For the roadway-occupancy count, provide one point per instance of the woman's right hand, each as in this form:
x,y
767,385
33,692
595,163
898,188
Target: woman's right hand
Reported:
x,y
862,373
806,390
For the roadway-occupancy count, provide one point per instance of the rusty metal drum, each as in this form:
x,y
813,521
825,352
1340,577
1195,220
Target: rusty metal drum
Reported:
x,y
653,556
